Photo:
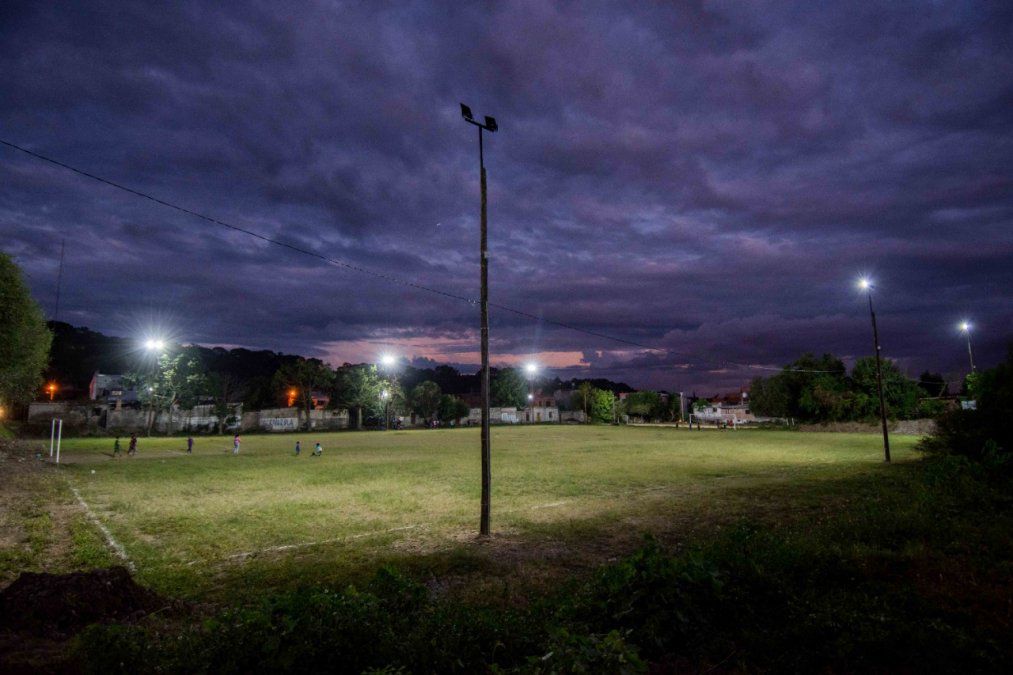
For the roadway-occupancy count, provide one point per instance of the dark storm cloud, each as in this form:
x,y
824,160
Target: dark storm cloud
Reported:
x,y
704,178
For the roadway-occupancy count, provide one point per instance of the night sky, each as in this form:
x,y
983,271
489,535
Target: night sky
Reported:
x,y
705,178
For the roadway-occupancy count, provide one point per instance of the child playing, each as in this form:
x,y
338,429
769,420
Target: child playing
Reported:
x,y
298,448
317,451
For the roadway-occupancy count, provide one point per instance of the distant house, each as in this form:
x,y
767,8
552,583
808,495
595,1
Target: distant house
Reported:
x,y
539,399
729,408
320,400
110,389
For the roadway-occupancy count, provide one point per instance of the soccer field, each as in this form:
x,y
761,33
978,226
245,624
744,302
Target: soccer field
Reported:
x,y
215,523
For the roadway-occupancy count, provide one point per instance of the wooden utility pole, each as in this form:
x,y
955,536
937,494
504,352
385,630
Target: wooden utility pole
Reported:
x,y
59,282
879,382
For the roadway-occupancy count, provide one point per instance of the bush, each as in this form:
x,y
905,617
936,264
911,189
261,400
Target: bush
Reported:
x,y
984,433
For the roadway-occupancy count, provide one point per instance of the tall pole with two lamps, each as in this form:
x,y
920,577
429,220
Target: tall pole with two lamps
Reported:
x,y
490,126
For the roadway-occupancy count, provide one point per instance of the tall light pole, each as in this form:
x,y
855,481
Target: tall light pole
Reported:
x,y
530,370
966,327
388,361
157,347
866,285
491,126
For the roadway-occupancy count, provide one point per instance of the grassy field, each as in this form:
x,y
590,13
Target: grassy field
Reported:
x,y
217,525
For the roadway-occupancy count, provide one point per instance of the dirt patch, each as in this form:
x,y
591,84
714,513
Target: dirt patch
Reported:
x,y
65,603
901,427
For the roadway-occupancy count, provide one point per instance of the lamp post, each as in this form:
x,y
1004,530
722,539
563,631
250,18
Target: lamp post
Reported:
x,y
866,285
387,362
530,370
385,397
966,327
491,126
155,346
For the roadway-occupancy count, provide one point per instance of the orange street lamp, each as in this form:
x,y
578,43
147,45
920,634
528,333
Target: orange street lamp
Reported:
x,y
51,388
292,393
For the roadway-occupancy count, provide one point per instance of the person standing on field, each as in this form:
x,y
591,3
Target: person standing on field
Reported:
x,y
298,448
235,445
317,451
116,447
189,445
132,448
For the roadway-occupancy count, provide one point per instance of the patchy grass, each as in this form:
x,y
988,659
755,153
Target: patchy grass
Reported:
x,y
910,574
217,525
42,528
768,551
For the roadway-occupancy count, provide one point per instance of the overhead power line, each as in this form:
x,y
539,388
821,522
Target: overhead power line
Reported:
x,y
390,278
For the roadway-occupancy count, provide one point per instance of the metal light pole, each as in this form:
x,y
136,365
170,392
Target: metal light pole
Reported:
x,y
491,126
157,347
388,362
866,285
966,327
531,369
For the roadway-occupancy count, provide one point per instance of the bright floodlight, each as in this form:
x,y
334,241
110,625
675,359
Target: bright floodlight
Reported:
x,y
864,284
531,397
154,345
965,326
384,394
387,360
531,368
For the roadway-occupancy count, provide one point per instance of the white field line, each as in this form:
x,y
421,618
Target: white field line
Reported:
x,y
116,546
288,547
307,544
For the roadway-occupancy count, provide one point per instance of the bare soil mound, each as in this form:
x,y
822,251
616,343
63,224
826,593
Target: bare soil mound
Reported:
x,y
66,603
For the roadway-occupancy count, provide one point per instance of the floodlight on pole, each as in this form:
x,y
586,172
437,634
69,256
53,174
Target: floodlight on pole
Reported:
x,y
867,286
490,126
531,369
966,327
154,344
388,360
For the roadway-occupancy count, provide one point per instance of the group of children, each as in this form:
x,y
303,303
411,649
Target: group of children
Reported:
x,y
317,449
132,449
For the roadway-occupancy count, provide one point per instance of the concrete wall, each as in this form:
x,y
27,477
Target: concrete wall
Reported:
x,y
98,418
294,419
572,416
507,415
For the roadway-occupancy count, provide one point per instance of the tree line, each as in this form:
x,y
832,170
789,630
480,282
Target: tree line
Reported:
x,y
820,389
